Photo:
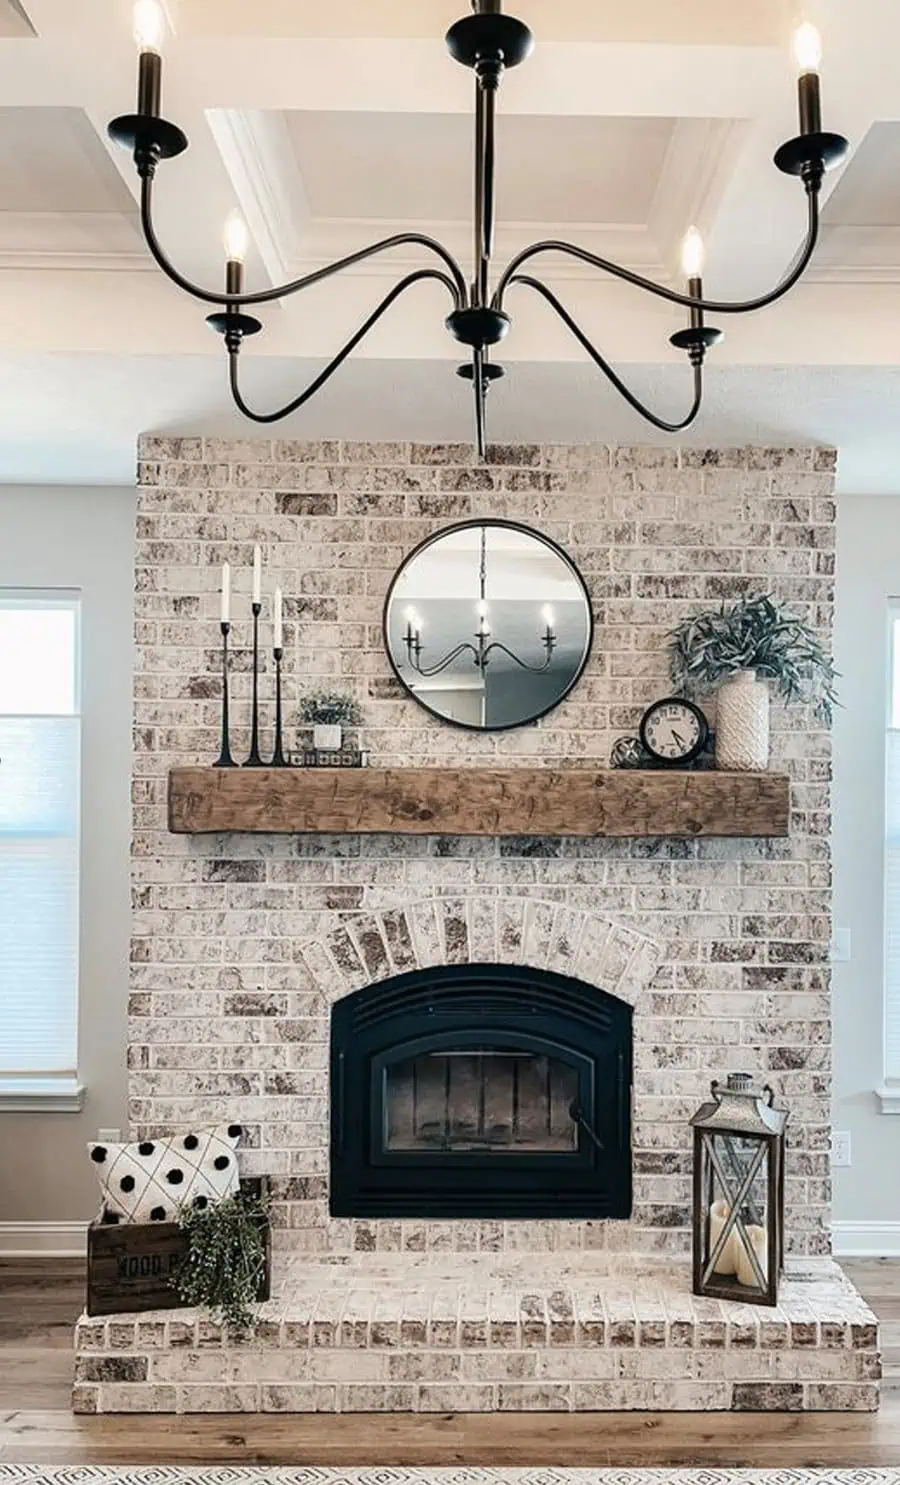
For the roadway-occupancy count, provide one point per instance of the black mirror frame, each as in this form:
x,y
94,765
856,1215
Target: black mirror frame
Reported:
x,y
496,523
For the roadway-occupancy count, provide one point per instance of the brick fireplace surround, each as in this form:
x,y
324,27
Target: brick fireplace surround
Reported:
x,y
242,943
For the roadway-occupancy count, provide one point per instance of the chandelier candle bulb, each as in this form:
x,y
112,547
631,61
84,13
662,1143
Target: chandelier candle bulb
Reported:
x,y
236,242
693,254
693,258
149,26
235,238
149,29
808,56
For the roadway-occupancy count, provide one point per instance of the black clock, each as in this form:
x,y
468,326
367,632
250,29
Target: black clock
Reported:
x,y
674,731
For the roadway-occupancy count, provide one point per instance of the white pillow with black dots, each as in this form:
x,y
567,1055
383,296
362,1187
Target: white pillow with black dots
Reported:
x,y
156,1180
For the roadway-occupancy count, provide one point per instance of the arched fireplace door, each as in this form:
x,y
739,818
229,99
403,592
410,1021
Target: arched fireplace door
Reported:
x,y
481,1091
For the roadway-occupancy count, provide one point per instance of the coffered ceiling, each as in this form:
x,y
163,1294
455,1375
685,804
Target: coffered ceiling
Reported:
x,y
331,125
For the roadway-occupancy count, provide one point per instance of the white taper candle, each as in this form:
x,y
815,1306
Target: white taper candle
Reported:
x,y
226,593
257,575
279,635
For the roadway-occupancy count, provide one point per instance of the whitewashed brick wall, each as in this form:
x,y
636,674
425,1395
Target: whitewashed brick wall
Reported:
x,y
227,1019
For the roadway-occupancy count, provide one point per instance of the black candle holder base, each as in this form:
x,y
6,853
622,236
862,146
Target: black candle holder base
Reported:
x,y
148,136
811,151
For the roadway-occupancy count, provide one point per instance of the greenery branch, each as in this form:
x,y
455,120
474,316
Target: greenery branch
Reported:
x,y
330,709
224,1260
755,633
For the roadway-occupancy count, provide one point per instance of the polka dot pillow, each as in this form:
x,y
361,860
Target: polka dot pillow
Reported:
x,y
154,1180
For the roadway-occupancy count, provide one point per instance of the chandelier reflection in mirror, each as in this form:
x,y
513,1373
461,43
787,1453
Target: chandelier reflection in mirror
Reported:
x,y
489,43
481,647
488,624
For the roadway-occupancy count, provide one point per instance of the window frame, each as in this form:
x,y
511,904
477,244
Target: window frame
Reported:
x,y
51,1091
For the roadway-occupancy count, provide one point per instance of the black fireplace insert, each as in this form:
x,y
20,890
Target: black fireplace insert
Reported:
x,y
481,1091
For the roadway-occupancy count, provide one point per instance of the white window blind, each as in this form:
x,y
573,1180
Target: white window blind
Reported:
x,y
40,786
892,861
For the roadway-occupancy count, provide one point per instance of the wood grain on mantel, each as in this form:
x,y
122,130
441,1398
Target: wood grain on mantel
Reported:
x,y
477,801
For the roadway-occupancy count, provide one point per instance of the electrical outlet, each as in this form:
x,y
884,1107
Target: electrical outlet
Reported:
x,y
111,1136
840,1147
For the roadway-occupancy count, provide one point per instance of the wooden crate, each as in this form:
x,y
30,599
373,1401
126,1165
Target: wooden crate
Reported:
x,y
130,1264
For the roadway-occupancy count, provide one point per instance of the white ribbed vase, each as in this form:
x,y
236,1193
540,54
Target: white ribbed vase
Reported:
x,y
742,723
327,736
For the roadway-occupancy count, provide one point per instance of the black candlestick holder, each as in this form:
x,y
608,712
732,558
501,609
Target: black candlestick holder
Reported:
x,y
278,758
225,759
255,760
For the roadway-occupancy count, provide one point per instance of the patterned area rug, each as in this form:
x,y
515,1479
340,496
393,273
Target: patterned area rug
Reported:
x,y
35,1474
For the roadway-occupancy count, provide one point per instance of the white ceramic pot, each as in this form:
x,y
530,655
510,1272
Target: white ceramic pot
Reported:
x,y
742,723
327,736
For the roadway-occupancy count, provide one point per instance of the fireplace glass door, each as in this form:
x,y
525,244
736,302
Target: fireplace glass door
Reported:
x,y
473,1099
480,1091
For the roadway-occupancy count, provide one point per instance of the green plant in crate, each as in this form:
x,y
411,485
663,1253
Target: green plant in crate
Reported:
x,y
225,1260
754,634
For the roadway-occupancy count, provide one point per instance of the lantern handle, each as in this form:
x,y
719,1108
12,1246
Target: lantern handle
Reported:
x,y
771,1092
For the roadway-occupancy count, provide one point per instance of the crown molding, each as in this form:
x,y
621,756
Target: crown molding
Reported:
x,y
631,244
699,164
257,152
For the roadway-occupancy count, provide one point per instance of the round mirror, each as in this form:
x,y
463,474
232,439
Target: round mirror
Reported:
x,y
488,625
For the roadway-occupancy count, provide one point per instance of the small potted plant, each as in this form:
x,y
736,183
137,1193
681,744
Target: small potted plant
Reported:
x,y
739,648
225,1265
328,713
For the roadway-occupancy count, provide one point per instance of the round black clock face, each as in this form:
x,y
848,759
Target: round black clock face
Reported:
x,y
674,731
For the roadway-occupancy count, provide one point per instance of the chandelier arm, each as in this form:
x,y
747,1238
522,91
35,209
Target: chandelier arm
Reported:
x,y
429,670
608,372
418,276
282,291
716,306
496,644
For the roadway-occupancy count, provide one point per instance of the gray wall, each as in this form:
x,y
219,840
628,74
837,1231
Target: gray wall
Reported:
x,y
82,538
868,567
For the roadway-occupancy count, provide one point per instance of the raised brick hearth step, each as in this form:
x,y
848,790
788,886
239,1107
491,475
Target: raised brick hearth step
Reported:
x,y
481,1333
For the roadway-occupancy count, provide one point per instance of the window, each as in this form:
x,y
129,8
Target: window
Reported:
x,y
40,775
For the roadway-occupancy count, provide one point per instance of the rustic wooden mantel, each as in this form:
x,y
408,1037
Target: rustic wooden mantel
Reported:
x,y
477,801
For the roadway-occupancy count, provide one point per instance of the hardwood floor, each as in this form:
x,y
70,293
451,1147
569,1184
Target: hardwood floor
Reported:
x,y
41,1298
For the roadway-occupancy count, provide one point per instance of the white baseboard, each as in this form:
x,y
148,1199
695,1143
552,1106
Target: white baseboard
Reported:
x,y
69,1239
866,1239
30,1239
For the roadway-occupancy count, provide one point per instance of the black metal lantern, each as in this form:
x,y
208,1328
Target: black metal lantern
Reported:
x,y
739,1193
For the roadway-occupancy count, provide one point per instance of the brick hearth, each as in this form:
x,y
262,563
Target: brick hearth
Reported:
x,y
413,1333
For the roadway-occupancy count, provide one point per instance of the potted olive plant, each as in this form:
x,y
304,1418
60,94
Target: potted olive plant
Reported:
x,y
328,713
740,648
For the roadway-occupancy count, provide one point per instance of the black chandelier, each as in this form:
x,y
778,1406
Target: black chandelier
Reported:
x,y
484,646
489,43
